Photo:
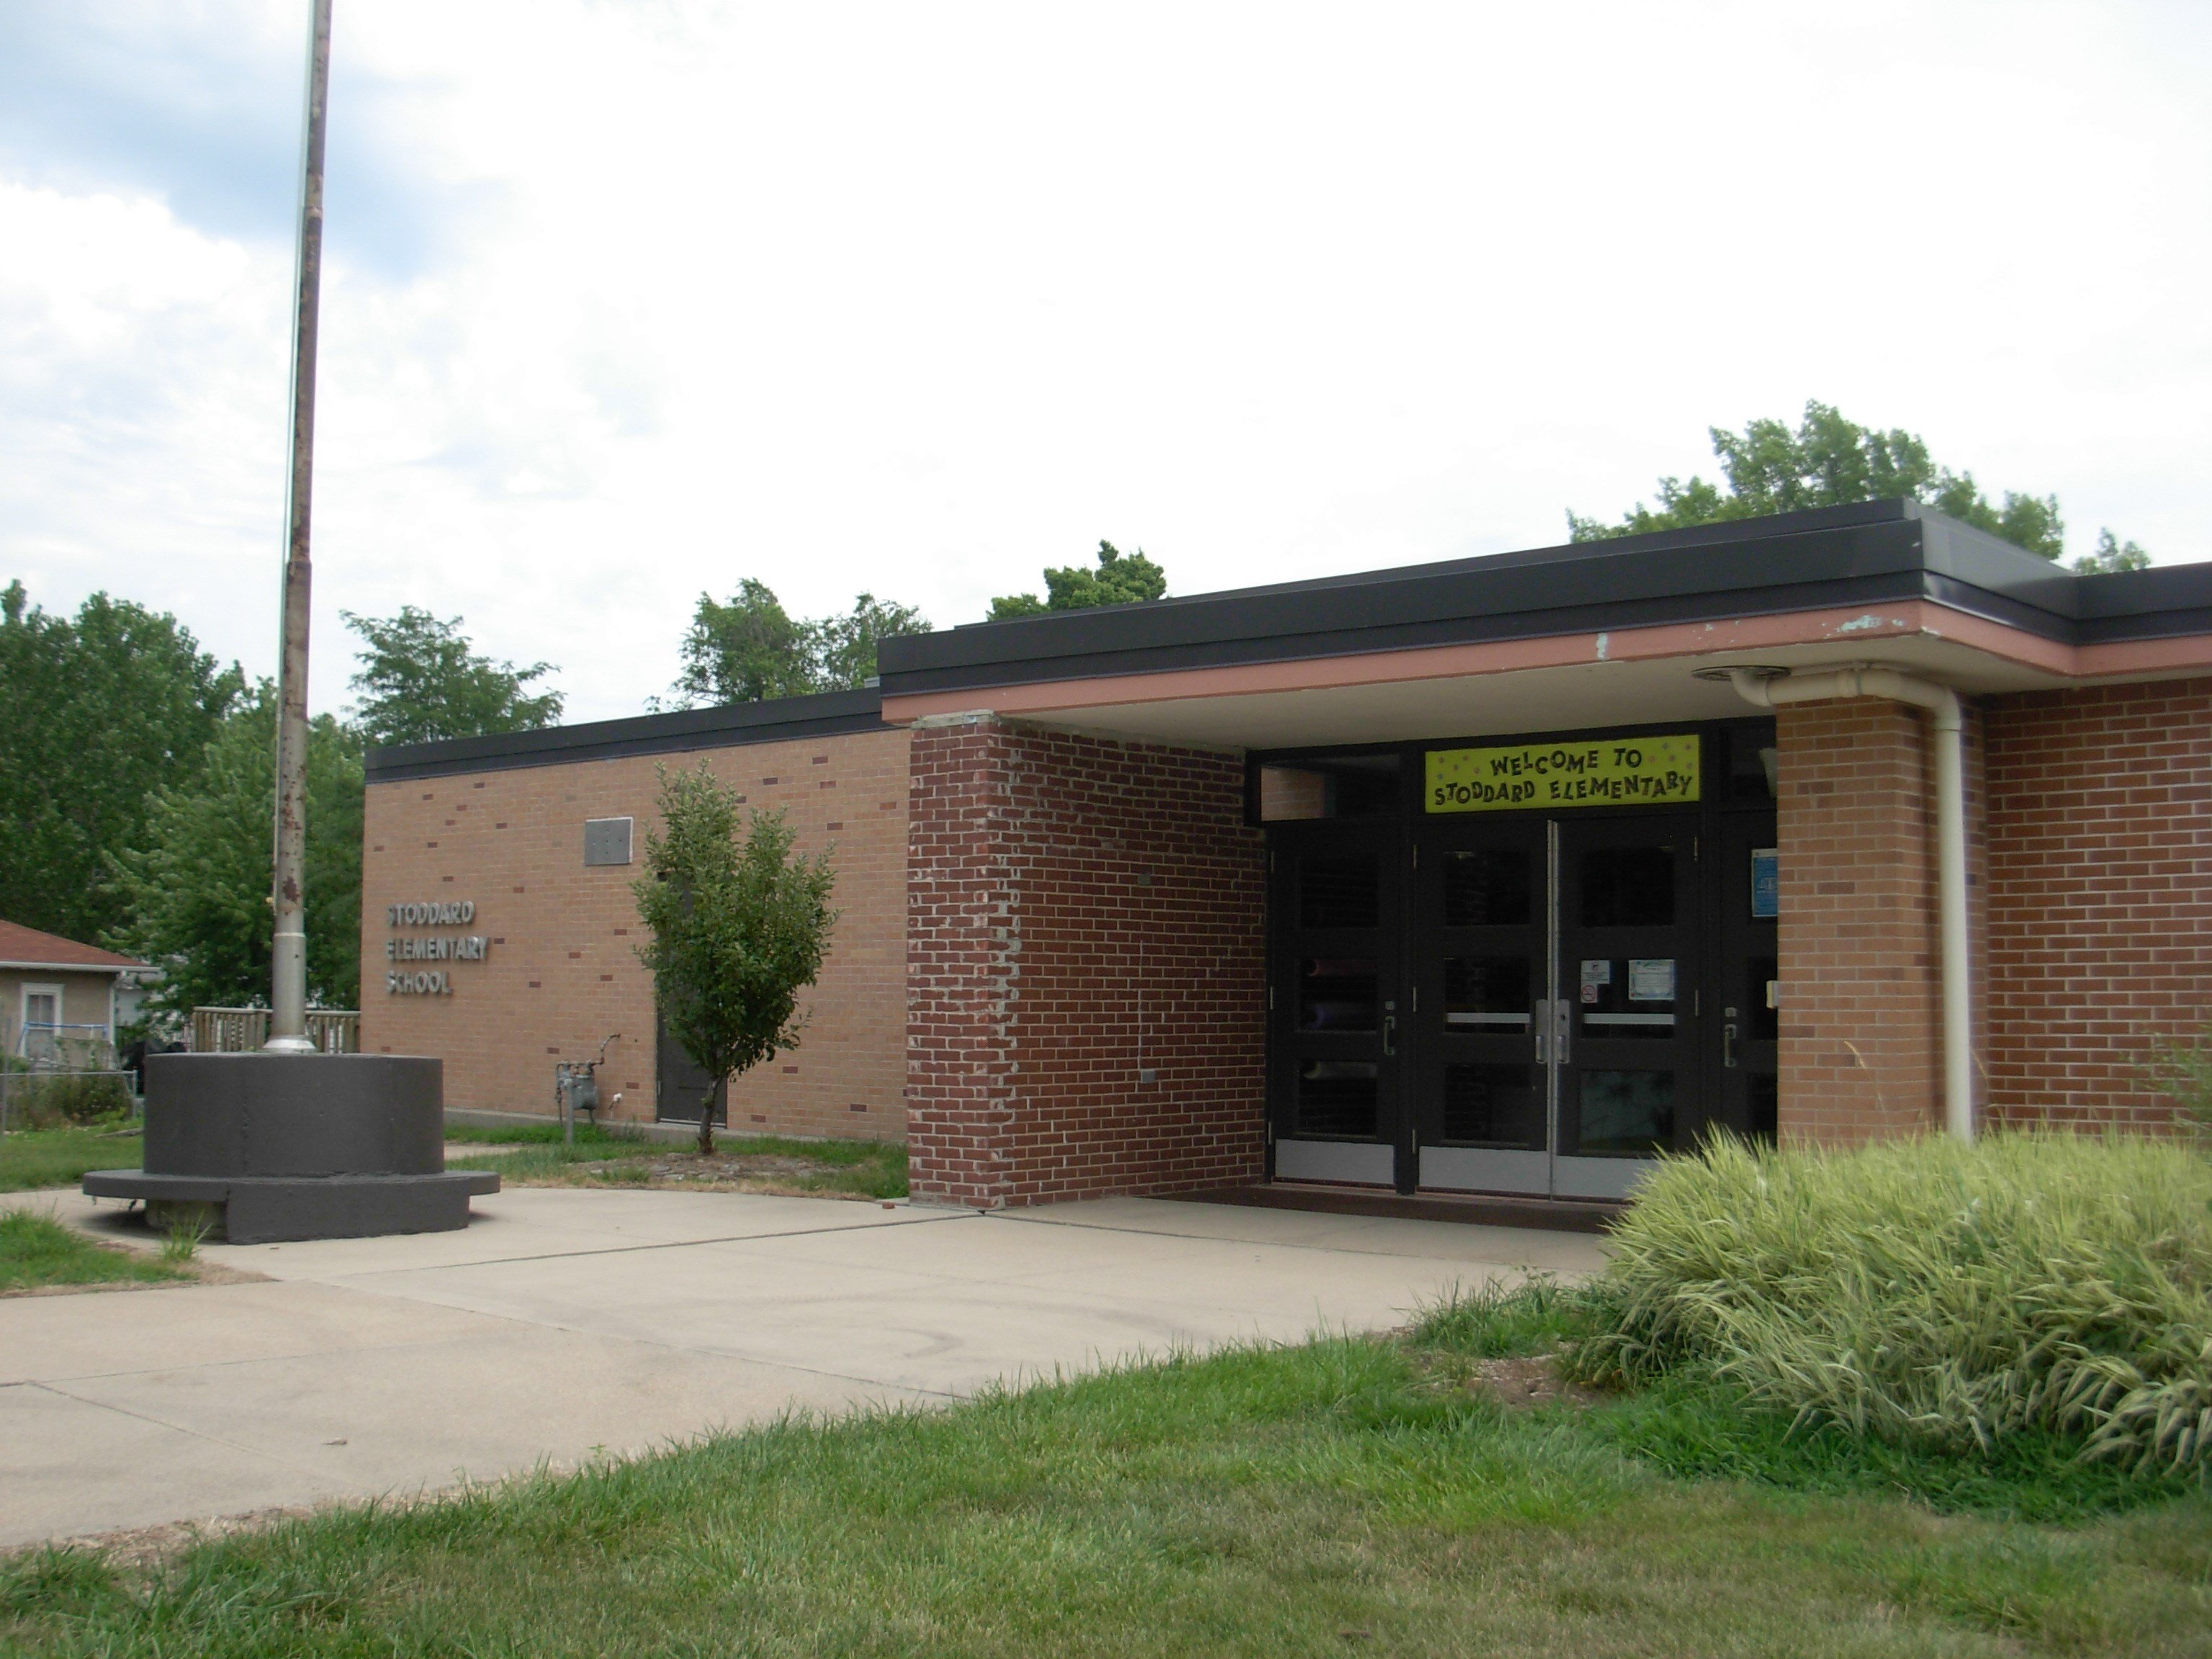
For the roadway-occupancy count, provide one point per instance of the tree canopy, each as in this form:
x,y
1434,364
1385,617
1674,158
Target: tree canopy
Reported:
x,y
195,884
1830,461
751,649
1121,579
137,785
737,926
419,681
97,712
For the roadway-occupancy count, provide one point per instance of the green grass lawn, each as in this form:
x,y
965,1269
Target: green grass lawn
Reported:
x,y
1348,1496
36,1251
59,1158
616,1157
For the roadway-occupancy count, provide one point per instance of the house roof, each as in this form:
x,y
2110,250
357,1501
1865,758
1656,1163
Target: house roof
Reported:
x,y
27,947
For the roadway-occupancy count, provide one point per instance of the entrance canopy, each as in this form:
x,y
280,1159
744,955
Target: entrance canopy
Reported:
x,y
1566,637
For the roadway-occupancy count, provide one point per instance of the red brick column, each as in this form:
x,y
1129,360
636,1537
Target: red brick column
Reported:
x,y
959,966
1861,1025
1085,967
2100,860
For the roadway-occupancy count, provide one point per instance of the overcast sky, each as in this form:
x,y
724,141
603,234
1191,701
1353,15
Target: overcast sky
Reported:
x,y
626,300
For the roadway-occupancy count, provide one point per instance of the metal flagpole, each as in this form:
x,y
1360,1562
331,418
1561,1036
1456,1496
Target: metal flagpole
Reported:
x,y
287,997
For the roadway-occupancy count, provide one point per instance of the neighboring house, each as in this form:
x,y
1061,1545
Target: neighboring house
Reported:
x,y
54,988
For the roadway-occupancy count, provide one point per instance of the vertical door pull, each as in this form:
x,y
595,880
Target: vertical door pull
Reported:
x,y
1565,1012
1728,1045
1542,1023
1389,1034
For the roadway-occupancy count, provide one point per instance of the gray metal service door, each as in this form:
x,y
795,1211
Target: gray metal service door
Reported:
x,y
679,1087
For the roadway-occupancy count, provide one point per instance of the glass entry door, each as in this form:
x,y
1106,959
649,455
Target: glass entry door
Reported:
x,y
1337,935
1624,1053
1481,1000
1554,1006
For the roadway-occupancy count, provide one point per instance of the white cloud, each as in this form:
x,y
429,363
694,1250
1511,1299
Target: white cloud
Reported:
x,y
917,299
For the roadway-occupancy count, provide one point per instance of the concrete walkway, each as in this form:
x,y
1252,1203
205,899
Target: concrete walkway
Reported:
x,y
566,1322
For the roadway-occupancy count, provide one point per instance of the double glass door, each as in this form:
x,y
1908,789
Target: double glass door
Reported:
x,y
1512,1004
1556,969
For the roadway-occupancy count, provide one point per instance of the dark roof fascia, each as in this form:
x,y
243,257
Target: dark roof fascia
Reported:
x,y
781,720
2159,602
1873,553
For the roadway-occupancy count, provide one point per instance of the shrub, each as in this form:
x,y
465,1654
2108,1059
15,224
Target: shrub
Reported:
x,y
1929,1292
2182,1072
46,1100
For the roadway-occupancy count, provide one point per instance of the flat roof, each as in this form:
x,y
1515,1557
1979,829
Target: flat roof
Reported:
x,y
1871,553
781,720
1826,564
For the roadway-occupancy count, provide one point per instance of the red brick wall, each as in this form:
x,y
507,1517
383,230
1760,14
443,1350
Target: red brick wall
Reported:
x,y
1081,912
562,971
1860,1017
2100,829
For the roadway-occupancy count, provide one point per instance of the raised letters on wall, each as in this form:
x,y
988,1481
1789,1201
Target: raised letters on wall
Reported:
x,y
429,947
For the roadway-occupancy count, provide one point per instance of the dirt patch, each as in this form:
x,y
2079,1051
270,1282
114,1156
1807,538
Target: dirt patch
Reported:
x,y
151,1547
771,1174
688,1169
196,1273
1526,1381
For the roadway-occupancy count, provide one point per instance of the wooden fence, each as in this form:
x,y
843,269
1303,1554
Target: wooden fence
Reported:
x,y
241,1030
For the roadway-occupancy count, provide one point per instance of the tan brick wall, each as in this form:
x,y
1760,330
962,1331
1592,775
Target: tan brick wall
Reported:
x,y
2101,824
1861,1029
562,972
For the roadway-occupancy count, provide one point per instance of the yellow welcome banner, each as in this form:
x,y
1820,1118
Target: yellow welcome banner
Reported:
x,y
1616,772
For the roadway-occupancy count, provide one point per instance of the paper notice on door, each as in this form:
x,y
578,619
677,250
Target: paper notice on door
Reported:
x,y
1765,883
1652,978
1596,972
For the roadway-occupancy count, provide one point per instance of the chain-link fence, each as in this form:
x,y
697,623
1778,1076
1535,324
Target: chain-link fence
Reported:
x,y
52,1074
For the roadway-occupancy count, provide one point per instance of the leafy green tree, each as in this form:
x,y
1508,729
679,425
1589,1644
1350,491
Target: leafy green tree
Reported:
x,y
2112,554
196,887
752,649
1121,579
843,649
419,681
1833,461
746,651
96,714
737,927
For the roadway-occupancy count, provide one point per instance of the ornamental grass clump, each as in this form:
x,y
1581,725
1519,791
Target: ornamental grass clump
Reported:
x,y
1930,1293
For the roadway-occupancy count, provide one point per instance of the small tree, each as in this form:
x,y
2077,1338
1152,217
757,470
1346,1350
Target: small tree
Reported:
x,y
738,925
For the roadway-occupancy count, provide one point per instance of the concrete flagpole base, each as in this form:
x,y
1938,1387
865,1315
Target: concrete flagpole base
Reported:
x,y
268,1148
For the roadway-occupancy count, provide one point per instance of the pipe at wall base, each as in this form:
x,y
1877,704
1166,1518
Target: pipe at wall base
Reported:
x,y
1948,718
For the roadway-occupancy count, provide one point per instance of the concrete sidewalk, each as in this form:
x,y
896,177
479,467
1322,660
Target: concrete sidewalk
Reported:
x,y
565,1322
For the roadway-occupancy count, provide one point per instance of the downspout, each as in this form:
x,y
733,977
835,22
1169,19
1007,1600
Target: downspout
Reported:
x,y
1946,715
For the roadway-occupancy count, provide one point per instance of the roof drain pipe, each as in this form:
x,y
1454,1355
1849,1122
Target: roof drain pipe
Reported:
x,y
1764,688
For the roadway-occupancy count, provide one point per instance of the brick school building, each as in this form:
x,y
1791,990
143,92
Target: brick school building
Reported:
x,y
1486,880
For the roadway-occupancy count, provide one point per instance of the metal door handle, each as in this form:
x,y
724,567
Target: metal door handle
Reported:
x,y
1389,1031
1728,1046
1542,1023
1564,1011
